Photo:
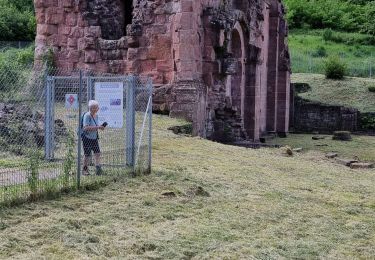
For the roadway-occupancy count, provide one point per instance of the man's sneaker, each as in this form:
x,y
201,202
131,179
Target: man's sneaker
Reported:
x,y
99,170
85,171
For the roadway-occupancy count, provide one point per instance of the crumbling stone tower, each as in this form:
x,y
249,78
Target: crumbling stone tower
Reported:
x,y
223,64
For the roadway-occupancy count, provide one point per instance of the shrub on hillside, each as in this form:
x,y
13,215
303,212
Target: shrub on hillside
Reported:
x,y
15,66
327,35
320,52
371,88
334,68
330,35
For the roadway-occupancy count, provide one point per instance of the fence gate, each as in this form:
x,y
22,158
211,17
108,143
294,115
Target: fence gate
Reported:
x,y
125,103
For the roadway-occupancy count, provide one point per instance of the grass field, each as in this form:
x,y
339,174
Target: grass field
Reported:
x,y
361,147
351,92
309,50
261,205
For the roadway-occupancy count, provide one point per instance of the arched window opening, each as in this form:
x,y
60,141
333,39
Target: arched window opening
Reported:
x,y
236,50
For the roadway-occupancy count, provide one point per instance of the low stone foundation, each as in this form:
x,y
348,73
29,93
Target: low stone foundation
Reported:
x,y
312,116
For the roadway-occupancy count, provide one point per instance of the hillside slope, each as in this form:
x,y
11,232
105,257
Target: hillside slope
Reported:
x,y
351,92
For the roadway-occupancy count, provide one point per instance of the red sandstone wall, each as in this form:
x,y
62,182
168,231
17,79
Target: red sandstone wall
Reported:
x,y
176,43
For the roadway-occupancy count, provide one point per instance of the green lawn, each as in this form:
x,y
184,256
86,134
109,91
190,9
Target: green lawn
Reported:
x,y
262,205
351,92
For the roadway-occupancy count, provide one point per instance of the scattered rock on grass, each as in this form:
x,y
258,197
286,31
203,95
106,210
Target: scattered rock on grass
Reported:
x,y
318,137
342,136
359,165
197,191
183,129
287,150
297,150
169,194
331,155
346,162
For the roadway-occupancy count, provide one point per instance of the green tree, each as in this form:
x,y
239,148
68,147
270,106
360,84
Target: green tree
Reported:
x,y
17,20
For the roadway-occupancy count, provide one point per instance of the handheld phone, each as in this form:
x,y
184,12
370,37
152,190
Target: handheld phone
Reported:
x,y
105,124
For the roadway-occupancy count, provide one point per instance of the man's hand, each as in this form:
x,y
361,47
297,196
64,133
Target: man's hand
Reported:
x,y
101,127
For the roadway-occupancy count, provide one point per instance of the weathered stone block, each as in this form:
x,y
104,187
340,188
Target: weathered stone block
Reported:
x,y
66,3
108,44
54,16
115,66
64,30
346,162
86,43
133,42
72,42
71,19
331,155
73,56
90,56
40,17
93,31
46,29
186,6
362,165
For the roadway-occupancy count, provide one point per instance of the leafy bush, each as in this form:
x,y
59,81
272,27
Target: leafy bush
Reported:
x,y
327,34
352,16
367,121
371,89
334,68
15,65
320,52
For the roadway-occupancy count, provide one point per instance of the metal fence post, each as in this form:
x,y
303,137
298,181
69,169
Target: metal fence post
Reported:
x,y
370,66
90,94
150,128
79,148
130,121
48,129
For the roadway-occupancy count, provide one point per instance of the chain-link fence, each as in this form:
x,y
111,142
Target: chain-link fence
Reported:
x,y
313,63
45,123
14,44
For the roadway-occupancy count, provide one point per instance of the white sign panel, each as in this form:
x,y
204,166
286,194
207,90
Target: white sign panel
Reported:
x,y
110,97
71,101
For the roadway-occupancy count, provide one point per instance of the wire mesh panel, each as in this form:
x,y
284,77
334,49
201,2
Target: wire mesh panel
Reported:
x,y
43,134
311,63
143,125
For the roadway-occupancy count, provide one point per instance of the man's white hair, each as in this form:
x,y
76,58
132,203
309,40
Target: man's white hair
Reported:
x,y
93,103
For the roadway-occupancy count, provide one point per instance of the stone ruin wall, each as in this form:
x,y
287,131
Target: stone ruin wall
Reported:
x,y
222,64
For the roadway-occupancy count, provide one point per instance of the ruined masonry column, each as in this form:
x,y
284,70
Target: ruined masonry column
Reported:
x,y
252,97
264,70
283,96
272,74
186,54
